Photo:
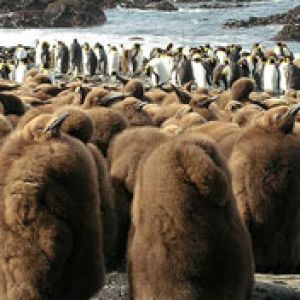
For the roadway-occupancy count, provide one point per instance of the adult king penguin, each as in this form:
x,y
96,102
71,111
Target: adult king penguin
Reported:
x,y
271,76
113,61
199,72
76,57
101,59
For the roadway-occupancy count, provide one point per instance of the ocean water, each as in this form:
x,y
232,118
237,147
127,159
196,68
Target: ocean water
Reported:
x,y
189,26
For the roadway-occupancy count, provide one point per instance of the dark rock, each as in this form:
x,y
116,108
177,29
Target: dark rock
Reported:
x,y
220,6
290,17
12,6
214,1
60,13
161,5
290,32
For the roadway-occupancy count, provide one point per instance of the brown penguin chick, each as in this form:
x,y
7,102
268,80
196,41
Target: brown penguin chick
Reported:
x,y
125,59
241,89
46,91
41,78
191,119
80,125
255,96
124,155
94,97
34,112
135,87
160,114
76,87
5,128
153,109
156,95
132,109
224,134
265,177
74,84
175,95
187,240
107,208
8,85
290,93
273,114
172,130
32,101
71,98
50,225
178,95
107,124
223,99
201,105
184,120
13,119
201,91
2,109
274,101
247,115
12,104
30,84
229,110
175,120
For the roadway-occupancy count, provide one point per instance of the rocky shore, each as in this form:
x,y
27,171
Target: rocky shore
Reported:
x,y
220,5
215,1
47,13
267,287
161,5
290,32
290,20
290,17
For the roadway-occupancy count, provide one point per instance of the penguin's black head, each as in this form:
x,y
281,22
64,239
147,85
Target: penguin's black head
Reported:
x,y
272,60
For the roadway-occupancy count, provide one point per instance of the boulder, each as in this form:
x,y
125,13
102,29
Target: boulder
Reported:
x,y
161,5
60,13
290,32
290,17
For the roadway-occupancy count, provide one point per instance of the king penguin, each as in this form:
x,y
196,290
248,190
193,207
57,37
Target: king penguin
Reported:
x,y
113,61
101,59
271,76
199,72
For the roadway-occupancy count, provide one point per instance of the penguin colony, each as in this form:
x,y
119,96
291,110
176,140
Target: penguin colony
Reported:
x,y
272,70
192,182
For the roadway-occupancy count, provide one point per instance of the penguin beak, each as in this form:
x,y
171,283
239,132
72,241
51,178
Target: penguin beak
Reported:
x,y
184,97
110,99
56,124
294,110
287,121
208,102
122,79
